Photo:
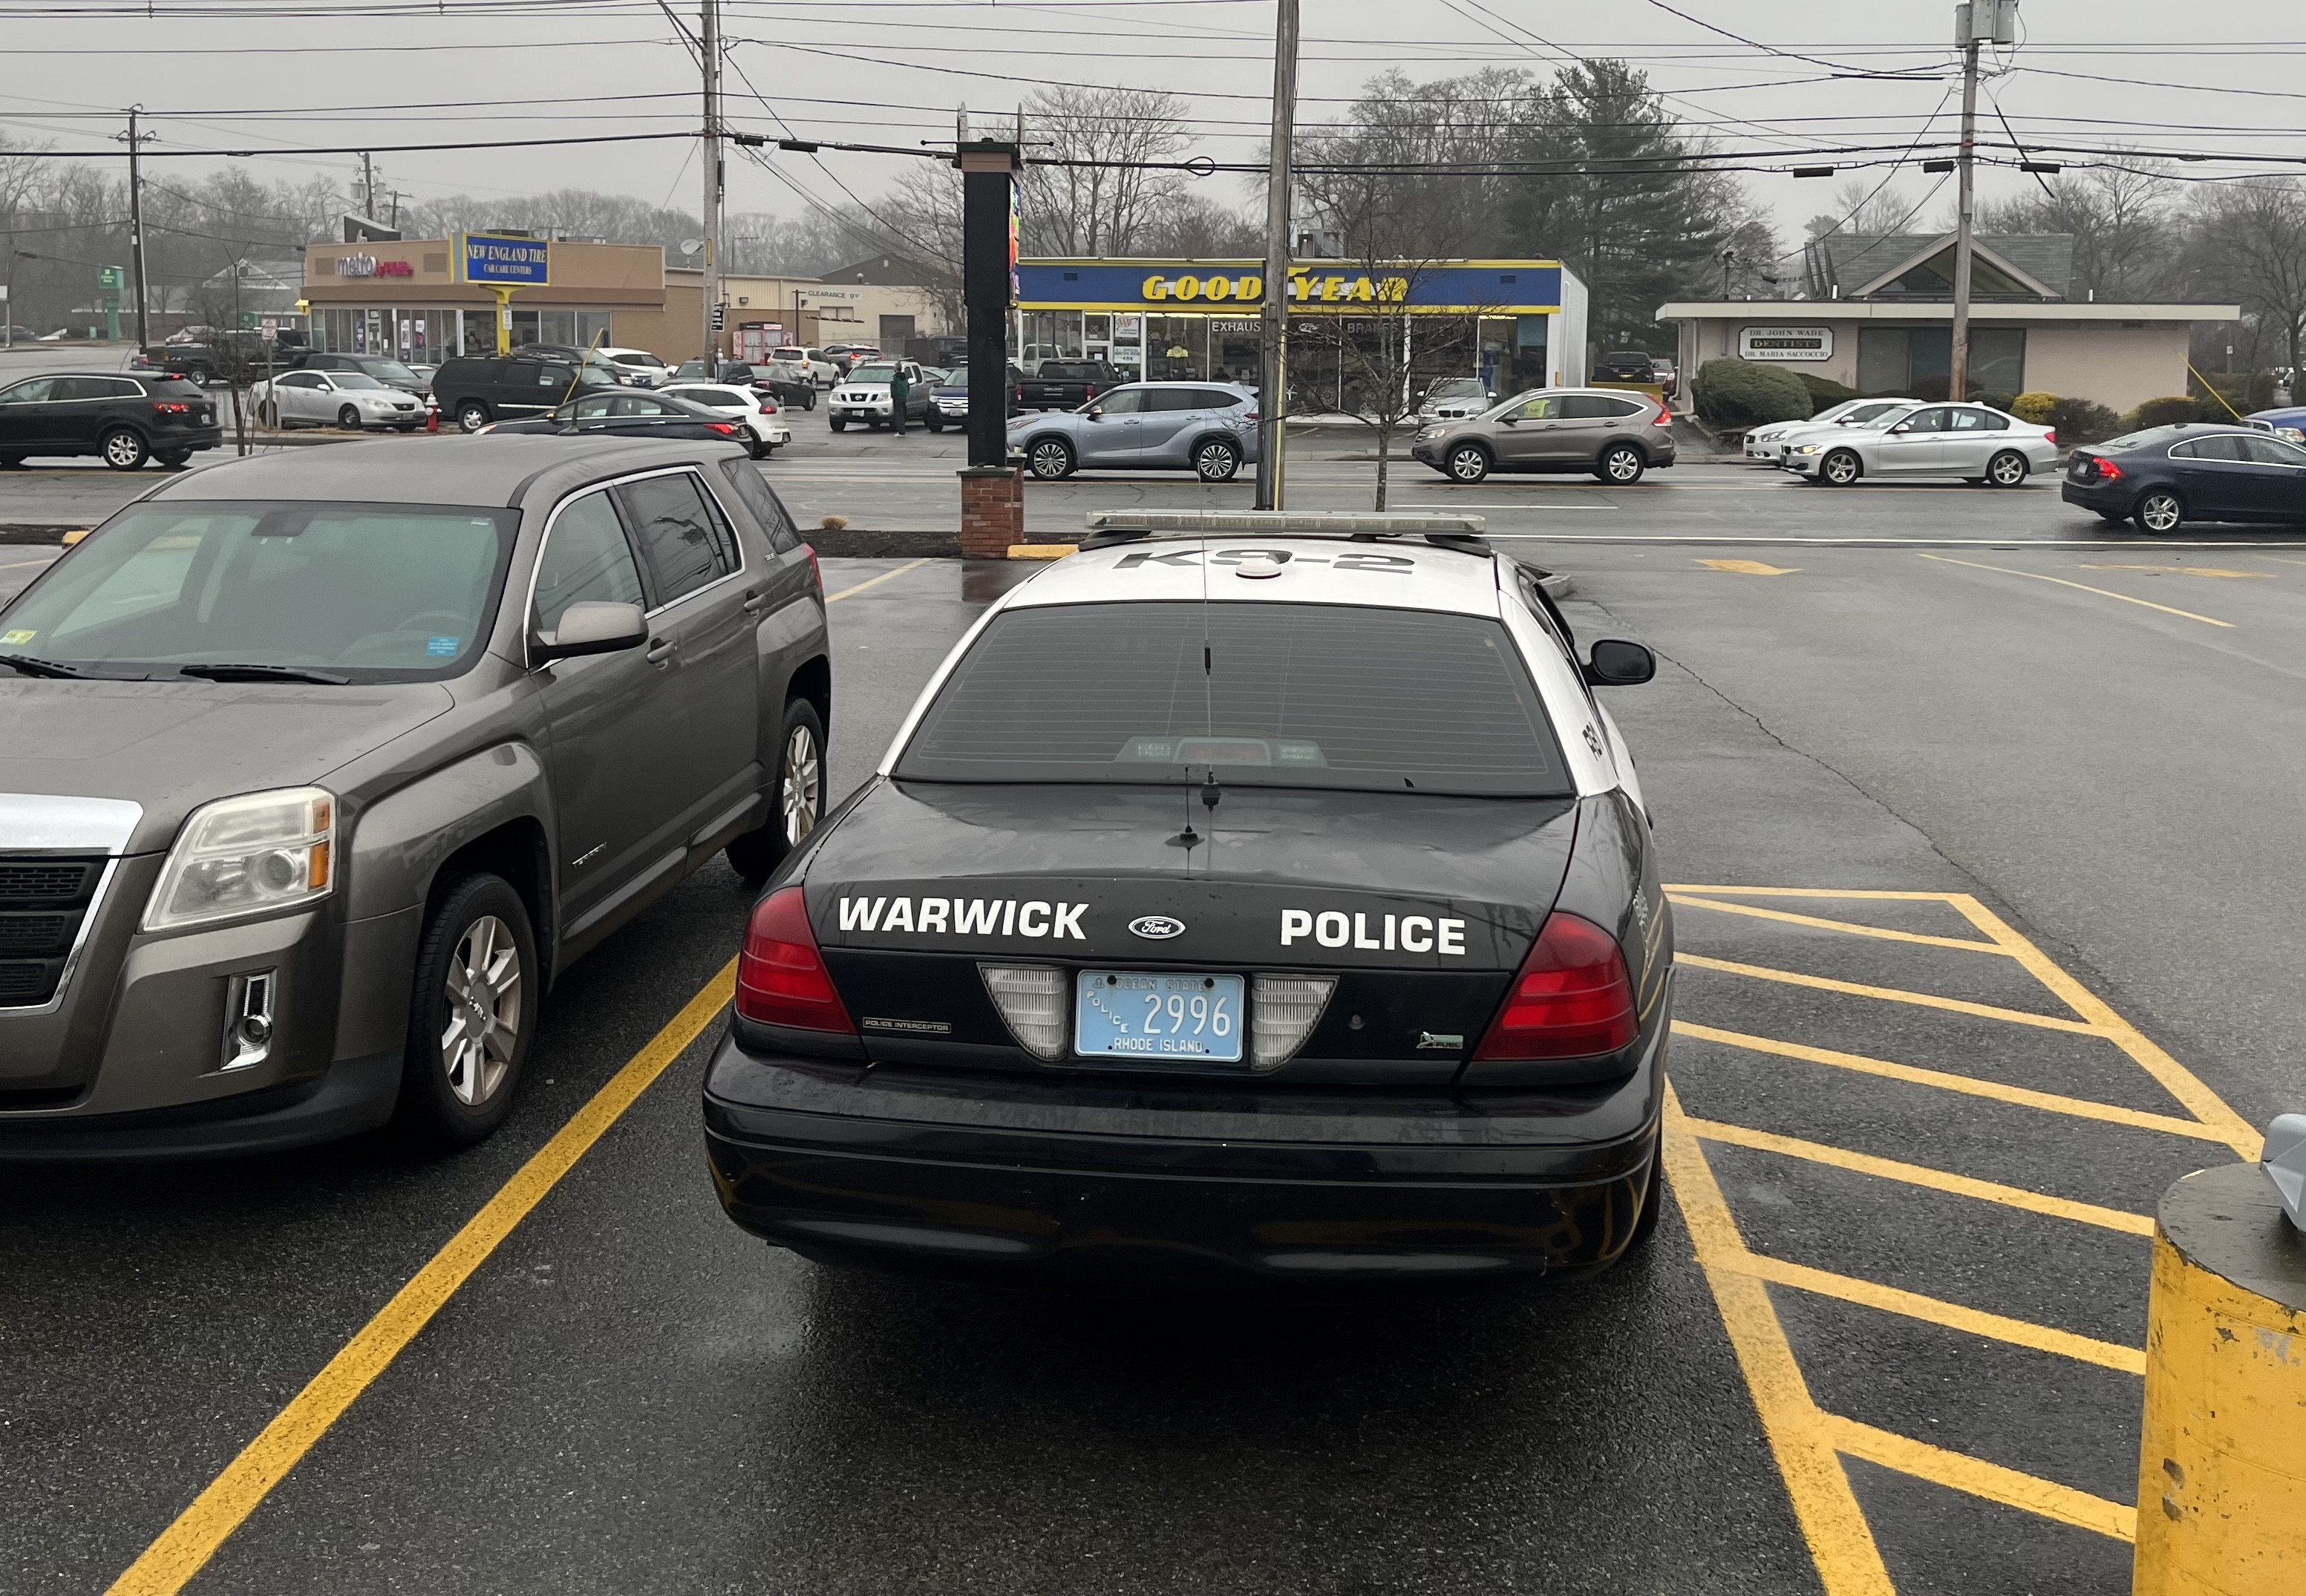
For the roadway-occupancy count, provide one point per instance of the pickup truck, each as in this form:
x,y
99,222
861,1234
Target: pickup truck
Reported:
x,y
1067,384
201,361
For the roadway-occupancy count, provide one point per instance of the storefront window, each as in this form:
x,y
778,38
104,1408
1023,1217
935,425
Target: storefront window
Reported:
x,y
1176,347
1236,350
1917,361
594,327
480,332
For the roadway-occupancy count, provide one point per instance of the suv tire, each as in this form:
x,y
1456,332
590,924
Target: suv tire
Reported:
x,y
1216,459
797,803
472,415
173,458
1468,463
1051,458
838,424
124,449
1621,465
471,1014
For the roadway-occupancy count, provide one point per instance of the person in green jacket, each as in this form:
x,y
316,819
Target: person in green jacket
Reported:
x,y
899,390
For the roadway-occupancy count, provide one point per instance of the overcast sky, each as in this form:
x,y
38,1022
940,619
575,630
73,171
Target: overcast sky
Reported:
x,y
2213,75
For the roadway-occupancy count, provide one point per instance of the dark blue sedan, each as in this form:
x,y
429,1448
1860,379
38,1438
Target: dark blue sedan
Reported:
x,y
2165,476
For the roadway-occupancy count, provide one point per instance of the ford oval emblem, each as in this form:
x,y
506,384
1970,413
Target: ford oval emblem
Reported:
x,y
1157,927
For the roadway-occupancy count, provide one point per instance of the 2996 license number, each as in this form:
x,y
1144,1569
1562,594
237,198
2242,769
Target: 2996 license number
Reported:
x,y
1138,1015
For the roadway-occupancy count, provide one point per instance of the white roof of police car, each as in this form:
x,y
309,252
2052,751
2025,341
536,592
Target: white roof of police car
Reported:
x,y
1405,573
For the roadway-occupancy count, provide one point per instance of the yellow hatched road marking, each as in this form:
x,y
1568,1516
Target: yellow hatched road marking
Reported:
x,y
1852,927
2081,1108
1896,995
2183,570
1919,1175
2176,1079
1851,892
1960,1471
1750,568
1841,1541
1890,1298
2079,587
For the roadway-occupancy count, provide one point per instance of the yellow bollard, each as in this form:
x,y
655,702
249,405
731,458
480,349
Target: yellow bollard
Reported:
x,y
2222,1468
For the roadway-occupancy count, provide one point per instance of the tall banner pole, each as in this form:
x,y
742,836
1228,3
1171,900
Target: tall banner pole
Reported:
x,y
1273,387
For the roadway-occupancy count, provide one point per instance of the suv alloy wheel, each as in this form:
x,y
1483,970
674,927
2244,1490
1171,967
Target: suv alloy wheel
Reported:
x,y
1216,460
1468,463
1621,464
124,449
472,415
472,1012
798,802
1052,457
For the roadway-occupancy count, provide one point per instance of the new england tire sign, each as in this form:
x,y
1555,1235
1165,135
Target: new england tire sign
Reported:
x,y
488,257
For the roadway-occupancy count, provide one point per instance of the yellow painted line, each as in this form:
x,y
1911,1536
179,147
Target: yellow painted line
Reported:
x,y
185,1546
1919,1175
1684,886
2180,570
1894,994
1041,550
1852,927
1953,1316
1841,1541
2081,1108
1975,1477
1750,568
2078,588
877,581
2181,1083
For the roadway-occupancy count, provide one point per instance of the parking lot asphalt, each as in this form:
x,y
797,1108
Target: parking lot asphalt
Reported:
x,y
1985,876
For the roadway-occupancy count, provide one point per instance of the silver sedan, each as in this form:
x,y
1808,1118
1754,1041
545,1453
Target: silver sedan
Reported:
x,y
1974,442
349,399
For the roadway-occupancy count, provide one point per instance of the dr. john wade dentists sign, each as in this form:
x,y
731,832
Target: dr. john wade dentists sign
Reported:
x,y
494,259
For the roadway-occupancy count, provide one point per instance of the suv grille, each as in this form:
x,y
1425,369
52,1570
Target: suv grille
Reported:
x,y
42,902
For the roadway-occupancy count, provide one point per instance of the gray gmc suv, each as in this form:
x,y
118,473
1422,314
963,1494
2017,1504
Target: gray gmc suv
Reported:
x,y
315,770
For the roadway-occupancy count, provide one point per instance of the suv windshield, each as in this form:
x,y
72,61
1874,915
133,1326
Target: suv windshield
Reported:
x,y
872,374
371,592
1294,696
1457,388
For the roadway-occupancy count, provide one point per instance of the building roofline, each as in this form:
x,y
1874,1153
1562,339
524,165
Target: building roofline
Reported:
x,y
1931,249
1998,309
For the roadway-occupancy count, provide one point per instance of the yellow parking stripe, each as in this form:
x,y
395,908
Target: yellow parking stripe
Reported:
x,y
2176,1079
1896,995
1918,1175
1841,1541
185,1546
1852,927
1994,1326
1850,892
2078,588
2082,1108
877,581
1977,1478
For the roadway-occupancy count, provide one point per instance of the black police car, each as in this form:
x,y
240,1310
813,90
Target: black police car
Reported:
x,y
122,418
2165,476
1283,904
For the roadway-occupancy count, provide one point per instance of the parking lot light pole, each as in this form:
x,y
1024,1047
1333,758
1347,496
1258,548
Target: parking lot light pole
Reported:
x,y
1273,387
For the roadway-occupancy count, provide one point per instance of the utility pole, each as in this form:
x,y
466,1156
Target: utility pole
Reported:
x,y
714,181
136,223
1976,22
1273,387
368,187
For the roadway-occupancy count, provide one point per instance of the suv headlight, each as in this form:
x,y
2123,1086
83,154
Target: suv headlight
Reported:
x,y
246,855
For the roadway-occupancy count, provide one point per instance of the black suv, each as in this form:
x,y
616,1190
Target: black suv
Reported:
x,y
1626,366
126,419
474,390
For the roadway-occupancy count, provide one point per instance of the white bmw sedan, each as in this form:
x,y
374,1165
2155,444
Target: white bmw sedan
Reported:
x,y
1769,442
1974,442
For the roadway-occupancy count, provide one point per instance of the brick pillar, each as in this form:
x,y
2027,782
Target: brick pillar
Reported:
x,y
991,510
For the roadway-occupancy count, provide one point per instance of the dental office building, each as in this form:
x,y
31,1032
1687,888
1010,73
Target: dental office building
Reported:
x,y
1521,323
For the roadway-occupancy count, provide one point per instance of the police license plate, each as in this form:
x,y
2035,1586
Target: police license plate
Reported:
x,y
1134,1014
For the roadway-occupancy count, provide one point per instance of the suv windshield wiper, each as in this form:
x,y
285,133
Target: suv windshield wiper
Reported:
x,y
31,666
264,673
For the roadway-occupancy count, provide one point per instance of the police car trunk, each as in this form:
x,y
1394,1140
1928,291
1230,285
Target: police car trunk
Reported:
x,y
1313,843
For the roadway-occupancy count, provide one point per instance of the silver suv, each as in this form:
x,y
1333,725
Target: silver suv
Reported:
x,y
1615,433
321,766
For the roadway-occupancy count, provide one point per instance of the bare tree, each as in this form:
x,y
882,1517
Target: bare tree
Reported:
x,y
2249,241
2124,228
1081,195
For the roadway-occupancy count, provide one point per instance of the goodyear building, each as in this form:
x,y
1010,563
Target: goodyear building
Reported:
x,y
1520,323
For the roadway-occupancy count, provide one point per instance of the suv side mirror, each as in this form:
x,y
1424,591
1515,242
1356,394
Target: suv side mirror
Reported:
x,y
1614,663
593,626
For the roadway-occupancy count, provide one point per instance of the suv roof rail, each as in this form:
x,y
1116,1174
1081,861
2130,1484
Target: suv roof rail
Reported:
x,y
1460,533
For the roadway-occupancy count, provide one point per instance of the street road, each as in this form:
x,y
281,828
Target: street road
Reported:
x,y
1987,871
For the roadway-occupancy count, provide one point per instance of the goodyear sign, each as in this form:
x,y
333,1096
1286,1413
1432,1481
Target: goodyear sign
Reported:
x,y
492,257
1496,288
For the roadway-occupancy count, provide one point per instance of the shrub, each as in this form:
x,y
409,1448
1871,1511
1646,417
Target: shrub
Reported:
x,y
2034,406
2165,411
1825,391
1994,398
2078,420
1748,393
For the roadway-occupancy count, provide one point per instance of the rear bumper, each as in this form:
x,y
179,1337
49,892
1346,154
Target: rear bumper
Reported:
x,y
1017,1176
2104,498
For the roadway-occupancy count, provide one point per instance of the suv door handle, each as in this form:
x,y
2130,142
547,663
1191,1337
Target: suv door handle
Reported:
x,y
660,651
757,601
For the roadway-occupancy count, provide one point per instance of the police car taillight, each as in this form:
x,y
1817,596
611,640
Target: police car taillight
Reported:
x,y
1571,998
780,977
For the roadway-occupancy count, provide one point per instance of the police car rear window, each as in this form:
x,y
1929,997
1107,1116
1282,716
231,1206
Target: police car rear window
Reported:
x,y
1279,694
